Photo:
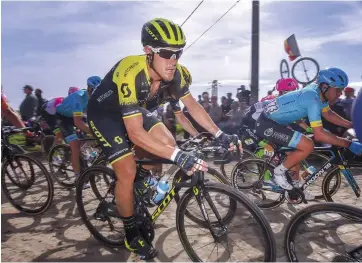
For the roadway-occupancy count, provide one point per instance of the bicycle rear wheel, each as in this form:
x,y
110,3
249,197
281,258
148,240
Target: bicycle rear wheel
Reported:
x,y
248,220
249,176
34,191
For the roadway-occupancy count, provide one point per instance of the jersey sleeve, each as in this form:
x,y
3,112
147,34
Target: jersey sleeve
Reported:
x,y
186,81
126,86
325,106
77,107
311,100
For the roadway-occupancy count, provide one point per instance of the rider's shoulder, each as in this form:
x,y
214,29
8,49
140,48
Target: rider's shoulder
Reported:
x,y
310,91
130,66
185,73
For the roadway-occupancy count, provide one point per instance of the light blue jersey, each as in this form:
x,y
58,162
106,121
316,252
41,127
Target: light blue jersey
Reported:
x,y
74,105
296,105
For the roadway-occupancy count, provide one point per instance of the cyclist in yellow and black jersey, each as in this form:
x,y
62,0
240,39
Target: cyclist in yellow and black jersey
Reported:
x,y
118,114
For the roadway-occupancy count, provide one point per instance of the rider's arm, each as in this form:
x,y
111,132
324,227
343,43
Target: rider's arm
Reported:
x,y
13,117
182,119
185,123
325,136
314,109
303,125
334,118
79,123
139,136
77,109
199,114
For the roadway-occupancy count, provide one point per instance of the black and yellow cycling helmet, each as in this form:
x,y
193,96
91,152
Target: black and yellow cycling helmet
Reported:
x,y
161,32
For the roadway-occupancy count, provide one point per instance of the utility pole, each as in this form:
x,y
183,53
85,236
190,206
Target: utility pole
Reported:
x,y
254,86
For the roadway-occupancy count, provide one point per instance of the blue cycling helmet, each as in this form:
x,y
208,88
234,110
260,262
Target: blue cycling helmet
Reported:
x,y
334,77
94,81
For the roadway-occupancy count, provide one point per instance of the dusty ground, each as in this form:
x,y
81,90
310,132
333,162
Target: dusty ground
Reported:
x,y
60,235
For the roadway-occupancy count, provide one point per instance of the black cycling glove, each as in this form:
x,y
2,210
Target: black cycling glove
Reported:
x,y
189,163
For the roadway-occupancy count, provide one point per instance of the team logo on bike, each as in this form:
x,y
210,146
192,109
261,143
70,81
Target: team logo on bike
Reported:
x,y
268,132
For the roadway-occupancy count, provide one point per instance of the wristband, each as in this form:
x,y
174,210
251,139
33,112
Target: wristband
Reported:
x,y
218,133
173,156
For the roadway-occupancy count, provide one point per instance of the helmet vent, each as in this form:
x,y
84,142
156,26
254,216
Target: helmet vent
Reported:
x,y
164,28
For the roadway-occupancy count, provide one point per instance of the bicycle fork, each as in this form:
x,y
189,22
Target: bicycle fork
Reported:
x,y
216,232
352,182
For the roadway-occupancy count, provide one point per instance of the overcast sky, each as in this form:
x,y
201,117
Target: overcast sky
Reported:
x,y
54,45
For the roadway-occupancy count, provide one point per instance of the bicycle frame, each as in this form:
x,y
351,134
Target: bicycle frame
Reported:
x,y
346,172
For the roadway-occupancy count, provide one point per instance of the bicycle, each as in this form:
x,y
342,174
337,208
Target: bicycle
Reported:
x,y
216,152
21,182
285,73
330,185
105,210
272,154
60,164
329,234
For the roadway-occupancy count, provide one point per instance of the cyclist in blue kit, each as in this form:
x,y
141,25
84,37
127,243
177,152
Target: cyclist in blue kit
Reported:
x,y
271,118
71,113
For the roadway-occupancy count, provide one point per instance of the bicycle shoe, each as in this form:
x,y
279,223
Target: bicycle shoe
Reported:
x,y
141,248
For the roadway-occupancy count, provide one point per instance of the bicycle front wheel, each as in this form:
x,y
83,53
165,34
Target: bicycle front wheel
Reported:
x,y
323,232
27,184
246,236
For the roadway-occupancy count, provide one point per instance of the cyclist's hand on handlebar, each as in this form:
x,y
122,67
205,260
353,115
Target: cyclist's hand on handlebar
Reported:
x,y
188,163
356,148
231,142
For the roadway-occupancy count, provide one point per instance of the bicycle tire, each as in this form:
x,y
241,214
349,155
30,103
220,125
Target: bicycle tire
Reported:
x,y
270,254
79,199
325,159
103,161
50,185
299,60
327,194
66,148
284,61
234,175
246,155
180,175
302,214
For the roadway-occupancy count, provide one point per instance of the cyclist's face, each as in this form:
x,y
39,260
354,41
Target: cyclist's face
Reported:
x,y
165,67
333,94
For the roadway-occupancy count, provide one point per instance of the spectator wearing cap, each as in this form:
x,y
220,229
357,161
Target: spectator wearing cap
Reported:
x,y
29,105
215,111
41,101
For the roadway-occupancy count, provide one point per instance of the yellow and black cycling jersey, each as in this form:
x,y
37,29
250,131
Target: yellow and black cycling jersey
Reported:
x,y
126,88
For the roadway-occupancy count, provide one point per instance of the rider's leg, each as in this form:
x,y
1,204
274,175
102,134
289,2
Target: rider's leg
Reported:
x,y
111,135
281,135
75,148
303,149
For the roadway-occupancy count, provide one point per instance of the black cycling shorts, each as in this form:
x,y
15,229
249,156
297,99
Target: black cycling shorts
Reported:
x,y
276,133
52,121
67,127
109,129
